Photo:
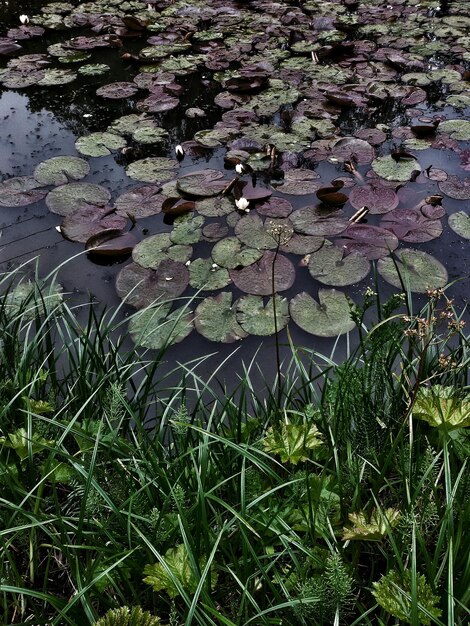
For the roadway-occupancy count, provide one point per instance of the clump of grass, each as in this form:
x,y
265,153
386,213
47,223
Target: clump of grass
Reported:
x,y
208,509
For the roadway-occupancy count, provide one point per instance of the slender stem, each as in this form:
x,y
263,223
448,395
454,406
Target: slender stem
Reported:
x,y
276,330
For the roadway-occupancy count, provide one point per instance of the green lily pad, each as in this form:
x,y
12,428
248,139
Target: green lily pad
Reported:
x,y
400,170
157,328
202,184
74,56
331,266
152,251
329,318
460,224
117,91
129,124
59,170
302,244
418,270
458,101
187,230
53,77
215,206
457,129
214,137
20,191
142,287
232,253
150,135
299,182
68,198
152,169
215,319
140,202
318,222
94,69
255,233
256,318
99,144
206,275
257,279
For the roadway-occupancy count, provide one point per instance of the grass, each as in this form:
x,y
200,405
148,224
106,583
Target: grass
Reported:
x,y
340,498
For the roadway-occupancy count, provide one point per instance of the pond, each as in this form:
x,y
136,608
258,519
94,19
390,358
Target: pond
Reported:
x,y
343,125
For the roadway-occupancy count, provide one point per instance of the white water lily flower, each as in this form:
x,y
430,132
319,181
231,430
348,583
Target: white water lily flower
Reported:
x,y
239,168
24,19
242,204
179,151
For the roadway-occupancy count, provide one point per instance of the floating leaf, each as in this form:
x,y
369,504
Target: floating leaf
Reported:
x,y
255,233
94,69
457,129
202,184
153,250
53,77
206,275
88,220
353,149
257,279
401,169
157,328
442,406
330,318
371,241
20,191
215,231
418,270
152,169
460,224
99,144
142,287
456,188
215,206
129,124
330,266
375,197
292,442
150,135
216,320
302,244
274,207
187,231
299,182
411,226
140,202
59,170
257,318
232,253
318,222
68,198
117,91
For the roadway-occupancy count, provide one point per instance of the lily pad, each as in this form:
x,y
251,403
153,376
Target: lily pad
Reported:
x,y
157,328
142,287
153,250
20,191
129,124
150,135
256,318
274,207
376,198
68,198
206,275
152,169
111,243
455,187
94,69
330,317
299,182
460,224
140,202
319,222
257,279
99,144
353,149
59,170
401,169
90,220
302,244
117,91
232,253
202,184
255,233
215,319
215,206
215,231
370,241
187,231
53,77
331,266
418,270
457,129
412,226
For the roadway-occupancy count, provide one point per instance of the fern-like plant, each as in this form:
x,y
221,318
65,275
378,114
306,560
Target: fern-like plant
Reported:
x,y
125,616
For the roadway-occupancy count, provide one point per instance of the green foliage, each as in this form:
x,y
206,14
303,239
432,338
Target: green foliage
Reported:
x,y
124,616
393,593
442,407
292,442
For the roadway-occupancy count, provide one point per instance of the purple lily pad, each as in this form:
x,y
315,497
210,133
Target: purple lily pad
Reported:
x,y
156,103
20,191
248,191
214,231
142,286
256,279
319,222
111,243
7,46
25,32
371,241
377,198
456,188
299,182
412,226
374,136
117,91
89,220
274,207
140,202
202,184
353,149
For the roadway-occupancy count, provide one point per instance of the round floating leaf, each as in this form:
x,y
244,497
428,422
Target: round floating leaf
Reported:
x,y
99,144
150,135
318,222
257,278
57,77
418,270
111,243
232,253
457,129
152,169
370,241
208,276
202,184
59,170
156,103
140,202
187,231
215,319
329,318
142,287
215,207
274,207
302,244
353,149
399,169
460,224
255,233
129,124
152,251
117,91
177,206
254,193
258,319
90,220
299,182
20,191
215,231
157,328
376,198
412,226
330,266
68,198
456,188
94,69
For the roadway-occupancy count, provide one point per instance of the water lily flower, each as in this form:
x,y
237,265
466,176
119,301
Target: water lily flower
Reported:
x,y
239,168
179,152
242,204
24,19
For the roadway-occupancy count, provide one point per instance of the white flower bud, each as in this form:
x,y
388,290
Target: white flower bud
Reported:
x,y
242,204
24,19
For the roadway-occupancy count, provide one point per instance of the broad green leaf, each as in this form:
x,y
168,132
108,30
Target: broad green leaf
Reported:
x,y
442,407
372,528
292,442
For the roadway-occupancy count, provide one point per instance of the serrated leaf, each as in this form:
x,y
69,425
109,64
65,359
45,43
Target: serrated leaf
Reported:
x,y
292,442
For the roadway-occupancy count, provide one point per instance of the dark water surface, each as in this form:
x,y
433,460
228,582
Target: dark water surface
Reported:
x,y
36,124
